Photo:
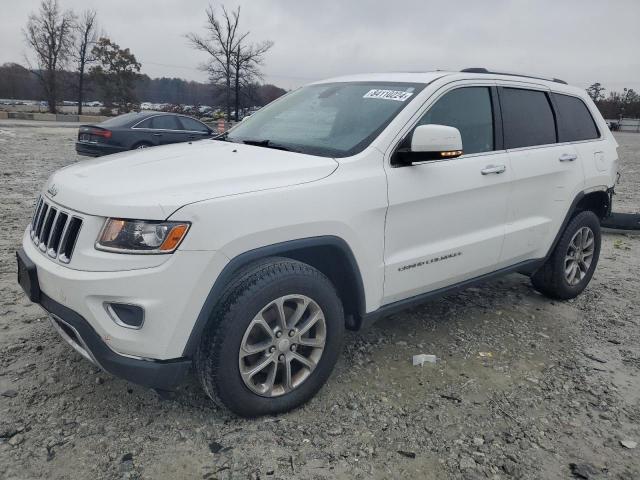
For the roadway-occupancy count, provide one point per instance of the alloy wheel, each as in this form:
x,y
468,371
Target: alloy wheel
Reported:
x,y
282,345
579,256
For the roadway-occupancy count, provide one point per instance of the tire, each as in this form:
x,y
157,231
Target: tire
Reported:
x,y
551,279
235,328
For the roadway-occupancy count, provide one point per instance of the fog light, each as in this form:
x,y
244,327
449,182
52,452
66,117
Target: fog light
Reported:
x,y
126,315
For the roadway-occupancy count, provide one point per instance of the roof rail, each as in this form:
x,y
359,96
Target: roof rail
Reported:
x,y
484,70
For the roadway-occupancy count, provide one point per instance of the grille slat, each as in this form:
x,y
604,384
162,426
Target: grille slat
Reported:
x,y
40,222
46,228
54,231
69,240
56,234
36,211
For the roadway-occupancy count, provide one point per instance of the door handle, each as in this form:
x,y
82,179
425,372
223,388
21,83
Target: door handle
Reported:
x,y
568,157
157,134
489,169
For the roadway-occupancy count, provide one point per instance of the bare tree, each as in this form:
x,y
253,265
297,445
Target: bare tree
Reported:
x,y
86,37
220,43
49,33
231,60
247,62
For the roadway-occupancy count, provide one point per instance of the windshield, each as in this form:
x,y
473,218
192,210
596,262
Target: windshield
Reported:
x,y
329,119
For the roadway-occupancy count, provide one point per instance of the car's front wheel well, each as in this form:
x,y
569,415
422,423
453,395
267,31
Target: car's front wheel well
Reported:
x,y
329,254
340,269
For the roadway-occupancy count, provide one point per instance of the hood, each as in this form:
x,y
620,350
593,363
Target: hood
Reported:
x,y
152,183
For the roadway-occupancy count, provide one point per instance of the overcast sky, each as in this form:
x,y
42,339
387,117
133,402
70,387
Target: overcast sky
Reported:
x,y
581,41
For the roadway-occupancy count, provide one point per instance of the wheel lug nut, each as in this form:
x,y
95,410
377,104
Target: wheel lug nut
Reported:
x,y
281,357
278,334
272,349
293,347
292,333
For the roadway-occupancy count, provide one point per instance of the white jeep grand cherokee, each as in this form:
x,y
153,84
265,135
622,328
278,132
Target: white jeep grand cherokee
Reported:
x,y
247,256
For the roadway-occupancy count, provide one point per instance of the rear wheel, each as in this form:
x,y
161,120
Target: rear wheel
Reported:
x,y
569,269
141,145
273,340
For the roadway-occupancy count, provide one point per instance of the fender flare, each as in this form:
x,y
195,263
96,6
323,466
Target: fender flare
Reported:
x,y
286,249
572,210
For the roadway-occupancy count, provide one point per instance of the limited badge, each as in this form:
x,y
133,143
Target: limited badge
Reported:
x,y
396,95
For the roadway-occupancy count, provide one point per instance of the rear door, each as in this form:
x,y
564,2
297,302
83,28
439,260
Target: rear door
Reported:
x,y
577,126
545,173
446,218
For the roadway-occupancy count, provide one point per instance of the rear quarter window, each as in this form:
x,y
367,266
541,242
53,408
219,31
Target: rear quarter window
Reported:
x,y
575,122
527,117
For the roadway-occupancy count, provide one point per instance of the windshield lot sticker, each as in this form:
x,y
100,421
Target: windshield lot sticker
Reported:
x,y
397,95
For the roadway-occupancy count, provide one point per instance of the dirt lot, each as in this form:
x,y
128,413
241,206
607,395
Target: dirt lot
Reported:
x,y
556,384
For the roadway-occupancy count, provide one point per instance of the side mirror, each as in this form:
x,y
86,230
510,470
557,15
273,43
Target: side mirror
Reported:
x,y
431,142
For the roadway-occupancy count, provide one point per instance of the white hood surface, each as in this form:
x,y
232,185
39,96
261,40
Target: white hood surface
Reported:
x,y
152,183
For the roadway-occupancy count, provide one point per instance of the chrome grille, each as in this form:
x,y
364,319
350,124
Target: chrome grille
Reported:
x,y
54,231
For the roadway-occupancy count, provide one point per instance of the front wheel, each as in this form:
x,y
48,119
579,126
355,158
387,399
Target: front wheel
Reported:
x,y
273,340
569,269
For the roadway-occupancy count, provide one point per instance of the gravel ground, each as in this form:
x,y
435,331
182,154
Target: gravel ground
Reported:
x,y
525,387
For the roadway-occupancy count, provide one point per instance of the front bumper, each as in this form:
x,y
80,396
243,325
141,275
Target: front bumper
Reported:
x,y
170,288
75,330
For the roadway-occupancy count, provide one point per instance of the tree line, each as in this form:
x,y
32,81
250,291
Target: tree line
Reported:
x,y
615,104
18,82
71,57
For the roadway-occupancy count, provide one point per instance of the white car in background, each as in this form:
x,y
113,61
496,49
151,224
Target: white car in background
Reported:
x,y
247,256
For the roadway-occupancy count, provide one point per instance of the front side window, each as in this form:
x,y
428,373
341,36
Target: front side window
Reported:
x,y
329,119
527,118
469,110
575,122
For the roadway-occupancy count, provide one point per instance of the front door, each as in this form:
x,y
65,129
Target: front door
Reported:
x,y
446,218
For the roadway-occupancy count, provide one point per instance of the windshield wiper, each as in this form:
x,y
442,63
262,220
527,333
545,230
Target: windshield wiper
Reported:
x,y
269,144
222,137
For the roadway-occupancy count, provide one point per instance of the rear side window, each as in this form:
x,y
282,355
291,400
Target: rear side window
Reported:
x,y
527,118
145,124
192,125
574,119
165,122
469,110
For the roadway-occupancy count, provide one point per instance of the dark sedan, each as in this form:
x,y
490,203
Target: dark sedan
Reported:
x,y
138,130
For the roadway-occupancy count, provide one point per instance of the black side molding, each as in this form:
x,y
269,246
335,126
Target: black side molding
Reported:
x,y
622,221
391,308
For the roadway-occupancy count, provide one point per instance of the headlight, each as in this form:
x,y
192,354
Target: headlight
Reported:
x,y
141,236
